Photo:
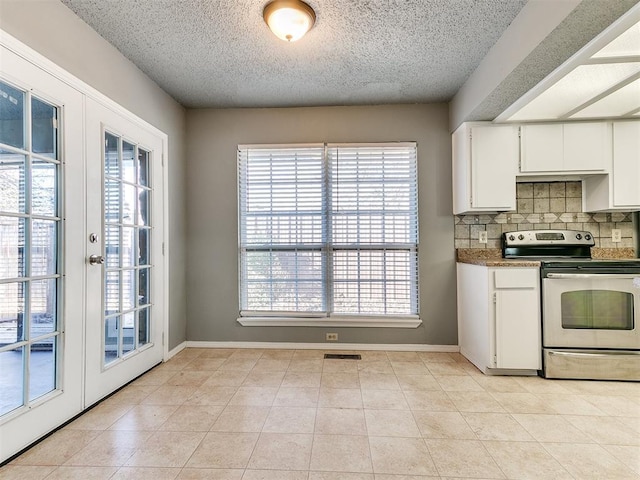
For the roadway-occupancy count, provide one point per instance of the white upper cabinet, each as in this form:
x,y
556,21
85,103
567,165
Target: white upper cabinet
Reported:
x,y
485,163
621,189
565,148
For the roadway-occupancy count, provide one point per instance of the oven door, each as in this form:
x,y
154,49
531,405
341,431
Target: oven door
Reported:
x,y
591,310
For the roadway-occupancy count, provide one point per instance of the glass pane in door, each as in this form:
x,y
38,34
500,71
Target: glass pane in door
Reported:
x,y
127,227
597,310
30,224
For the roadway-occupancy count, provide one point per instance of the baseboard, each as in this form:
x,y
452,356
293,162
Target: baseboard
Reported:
x,y
399,347
173,352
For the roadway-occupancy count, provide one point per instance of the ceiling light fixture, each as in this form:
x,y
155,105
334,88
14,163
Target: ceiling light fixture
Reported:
x,y
289,20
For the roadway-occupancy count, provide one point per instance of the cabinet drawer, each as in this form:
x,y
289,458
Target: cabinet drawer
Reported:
x,y
510,277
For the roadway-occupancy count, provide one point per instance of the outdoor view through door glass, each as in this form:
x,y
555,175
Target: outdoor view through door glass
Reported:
x,y
29,248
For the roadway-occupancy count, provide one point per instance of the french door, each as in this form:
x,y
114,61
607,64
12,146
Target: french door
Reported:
x,y
125,302
82,310
41,252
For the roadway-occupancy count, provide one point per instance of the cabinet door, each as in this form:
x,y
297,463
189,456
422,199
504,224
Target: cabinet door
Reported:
x,y
626,164
586,146
494,164
542,148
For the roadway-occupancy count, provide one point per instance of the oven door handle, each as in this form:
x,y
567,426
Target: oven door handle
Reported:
x,y
608,353
592,275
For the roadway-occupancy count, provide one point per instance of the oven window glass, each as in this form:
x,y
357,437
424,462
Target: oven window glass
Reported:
x,y
597,310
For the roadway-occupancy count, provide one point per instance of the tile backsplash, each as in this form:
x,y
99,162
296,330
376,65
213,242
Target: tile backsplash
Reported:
x,y
540,206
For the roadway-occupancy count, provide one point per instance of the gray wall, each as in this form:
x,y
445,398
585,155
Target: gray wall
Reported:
x,y
212,278
54,31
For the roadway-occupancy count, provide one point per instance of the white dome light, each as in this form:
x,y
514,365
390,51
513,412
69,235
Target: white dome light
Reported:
x,y
289,20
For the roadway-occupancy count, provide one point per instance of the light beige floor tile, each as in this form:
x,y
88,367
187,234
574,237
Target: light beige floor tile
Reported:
x,y
542,385
409,368
550,428
301,379
616,406
340,476
210,474
378,381
522,403
605,430
526,461
308,354
189,378
458,383
144,417
57,449
475,402
403,356
418,382
305,365
192,418
431,401
462,458
340,380
271,365
274,475
339,366
176,363
495,383
589,461
247,354
443,425
155,377
277,354
260,378
254,396
282,451
340,398
131,395
100,417
340,421
374,356
296,397
224,450
384,399
189,353
204,364
290,420
407,456
446,369
211,395
629,455
169,395
146,473
82,473
226,378
437,357
238,364
587,387
569,404
341,453
217,352
383,476
391,423
497,426
166,449
110,448
19,472
376,367
241,418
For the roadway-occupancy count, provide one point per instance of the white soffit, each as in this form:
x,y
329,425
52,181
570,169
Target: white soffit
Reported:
x,y
602,80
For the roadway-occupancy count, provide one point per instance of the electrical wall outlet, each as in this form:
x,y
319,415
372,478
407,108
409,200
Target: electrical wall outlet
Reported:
x,y
331,337
482,236
616,235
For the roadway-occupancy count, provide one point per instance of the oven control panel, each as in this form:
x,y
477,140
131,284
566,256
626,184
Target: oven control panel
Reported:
x,y
548,237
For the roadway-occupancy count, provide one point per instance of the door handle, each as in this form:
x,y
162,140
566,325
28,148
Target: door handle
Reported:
x,y
96,260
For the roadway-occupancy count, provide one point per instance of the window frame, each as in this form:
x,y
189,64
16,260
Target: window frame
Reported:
x,y
327,318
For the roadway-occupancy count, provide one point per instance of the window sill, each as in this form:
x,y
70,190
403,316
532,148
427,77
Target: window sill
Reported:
x,y
335,321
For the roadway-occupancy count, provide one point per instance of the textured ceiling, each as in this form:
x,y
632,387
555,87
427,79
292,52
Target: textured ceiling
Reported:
x,y
220,53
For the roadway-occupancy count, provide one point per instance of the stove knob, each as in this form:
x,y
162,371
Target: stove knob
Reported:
x,y
587,237
578,236
512,238
520,237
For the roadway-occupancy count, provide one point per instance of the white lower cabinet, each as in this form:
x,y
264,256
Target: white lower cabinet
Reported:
x,y
499,325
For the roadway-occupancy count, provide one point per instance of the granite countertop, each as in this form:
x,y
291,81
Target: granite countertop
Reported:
x,y
492,257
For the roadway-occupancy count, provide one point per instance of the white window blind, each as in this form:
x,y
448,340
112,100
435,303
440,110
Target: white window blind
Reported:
x,y
328,230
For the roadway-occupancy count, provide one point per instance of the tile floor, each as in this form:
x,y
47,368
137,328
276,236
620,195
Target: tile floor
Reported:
x,y
291,415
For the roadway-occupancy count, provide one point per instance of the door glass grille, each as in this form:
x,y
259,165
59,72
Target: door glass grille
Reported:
x,y
126,247
30,266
